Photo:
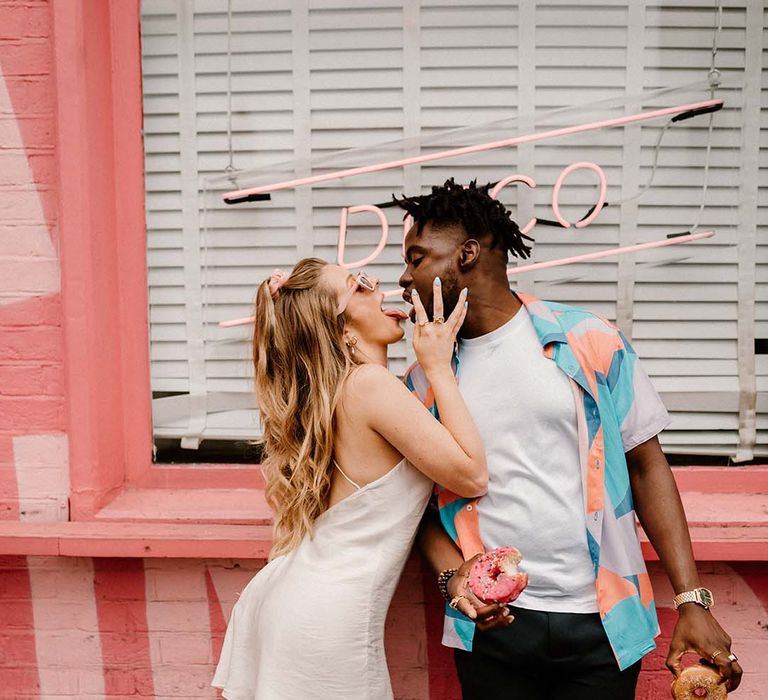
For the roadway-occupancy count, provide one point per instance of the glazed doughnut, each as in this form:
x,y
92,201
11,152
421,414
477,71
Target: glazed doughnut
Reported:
x,y
495,578
697,682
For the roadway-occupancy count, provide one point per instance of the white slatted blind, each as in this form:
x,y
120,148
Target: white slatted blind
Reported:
x,y
312,77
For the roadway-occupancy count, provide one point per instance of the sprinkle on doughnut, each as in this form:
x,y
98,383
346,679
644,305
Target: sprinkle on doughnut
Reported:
x,y
495,578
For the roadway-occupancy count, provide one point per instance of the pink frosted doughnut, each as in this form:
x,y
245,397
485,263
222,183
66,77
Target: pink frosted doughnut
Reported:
x,y
697,682
494,577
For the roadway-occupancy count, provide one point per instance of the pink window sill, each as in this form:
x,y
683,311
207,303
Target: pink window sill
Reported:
x,y
727,511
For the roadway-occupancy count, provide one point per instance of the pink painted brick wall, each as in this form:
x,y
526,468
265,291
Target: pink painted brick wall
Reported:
x,y
31,377
118,628
88,628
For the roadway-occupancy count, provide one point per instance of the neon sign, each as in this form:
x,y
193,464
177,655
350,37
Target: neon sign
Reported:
x,y
678,113
594,211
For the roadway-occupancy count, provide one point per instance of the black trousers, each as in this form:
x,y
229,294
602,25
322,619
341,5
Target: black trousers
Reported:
x,y
545,656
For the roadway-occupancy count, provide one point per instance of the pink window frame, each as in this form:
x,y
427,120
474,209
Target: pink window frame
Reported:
x,y
97,58
104,292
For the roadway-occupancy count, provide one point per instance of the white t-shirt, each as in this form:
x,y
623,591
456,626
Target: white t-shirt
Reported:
x,y
524,408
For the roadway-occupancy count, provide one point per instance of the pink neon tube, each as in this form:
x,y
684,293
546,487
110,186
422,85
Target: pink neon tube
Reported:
x,y
500,185
528,138
609,252
345,212
407,226
585,165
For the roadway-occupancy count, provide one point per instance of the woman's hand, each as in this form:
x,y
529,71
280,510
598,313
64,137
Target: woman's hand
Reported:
x,y
449,451
433,342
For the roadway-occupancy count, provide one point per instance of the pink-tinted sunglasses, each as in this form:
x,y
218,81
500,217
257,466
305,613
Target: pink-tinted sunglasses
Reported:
x,y
361,280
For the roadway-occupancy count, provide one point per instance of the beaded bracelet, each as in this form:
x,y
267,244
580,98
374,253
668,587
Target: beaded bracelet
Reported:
x,y
442,582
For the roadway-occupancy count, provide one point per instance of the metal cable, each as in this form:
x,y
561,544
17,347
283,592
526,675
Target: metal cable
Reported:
x,y
230,169
648,184
714,82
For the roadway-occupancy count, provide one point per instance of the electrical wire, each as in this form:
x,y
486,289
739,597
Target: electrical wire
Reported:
x,y
648,184
714,82
230,169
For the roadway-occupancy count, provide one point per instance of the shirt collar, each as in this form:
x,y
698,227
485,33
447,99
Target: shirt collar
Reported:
x,y
550,330
544,320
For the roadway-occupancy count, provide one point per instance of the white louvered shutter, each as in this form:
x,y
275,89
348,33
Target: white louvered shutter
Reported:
x,y
312,78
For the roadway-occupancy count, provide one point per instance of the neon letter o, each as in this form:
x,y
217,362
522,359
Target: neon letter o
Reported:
x,y
556,194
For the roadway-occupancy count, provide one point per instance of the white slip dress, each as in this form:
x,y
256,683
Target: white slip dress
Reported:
x,y
310,624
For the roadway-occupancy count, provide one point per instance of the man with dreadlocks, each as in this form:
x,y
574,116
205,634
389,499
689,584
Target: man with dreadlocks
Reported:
x,y
570,423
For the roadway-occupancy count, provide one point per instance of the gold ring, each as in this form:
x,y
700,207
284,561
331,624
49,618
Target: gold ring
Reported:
x,y
732,657
715,655
422,323
439,319
455,601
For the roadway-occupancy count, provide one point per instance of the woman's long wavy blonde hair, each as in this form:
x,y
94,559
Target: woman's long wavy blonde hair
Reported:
x,y
300,361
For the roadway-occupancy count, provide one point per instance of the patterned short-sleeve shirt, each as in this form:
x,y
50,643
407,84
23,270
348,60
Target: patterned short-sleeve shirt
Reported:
x,y
618,409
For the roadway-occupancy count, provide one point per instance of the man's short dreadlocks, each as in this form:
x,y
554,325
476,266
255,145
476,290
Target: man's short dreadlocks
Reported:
x,y
472,208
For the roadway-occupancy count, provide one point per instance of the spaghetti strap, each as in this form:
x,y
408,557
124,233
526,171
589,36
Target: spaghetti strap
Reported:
x,y
341,471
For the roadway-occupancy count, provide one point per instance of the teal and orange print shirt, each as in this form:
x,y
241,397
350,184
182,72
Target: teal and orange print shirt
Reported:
x,y
617,409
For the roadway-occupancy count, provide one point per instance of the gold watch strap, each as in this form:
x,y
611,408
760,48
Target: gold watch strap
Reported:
x,y
694,596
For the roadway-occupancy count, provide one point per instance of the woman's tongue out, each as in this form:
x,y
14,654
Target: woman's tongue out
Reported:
x,y
397,314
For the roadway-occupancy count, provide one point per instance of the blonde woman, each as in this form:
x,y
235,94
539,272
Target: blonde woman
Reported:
x,y
350,461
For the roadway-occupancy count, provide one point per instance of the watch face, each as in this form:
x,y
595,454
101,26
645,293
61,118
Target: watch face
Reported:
x,y
706,597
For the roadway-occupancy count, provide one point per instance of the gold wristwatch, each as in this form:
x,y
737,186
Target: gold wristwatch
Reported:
x,y
700,596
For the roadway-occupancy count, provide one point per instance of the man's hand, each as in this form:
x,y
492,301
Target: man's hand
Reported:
x,y
697,631
660,510
486,617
